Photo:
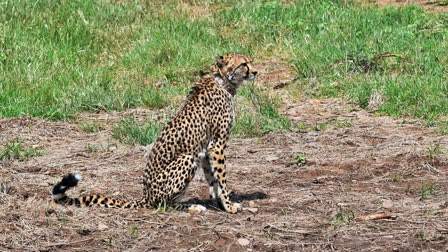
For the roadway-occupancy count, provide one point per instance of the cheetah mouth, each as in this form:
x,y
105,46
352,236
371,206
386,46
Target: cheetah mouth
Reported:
x,y
250,77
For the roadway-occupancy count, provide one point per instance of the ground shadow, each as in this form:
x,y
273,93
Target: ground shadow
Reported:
x,y
234,197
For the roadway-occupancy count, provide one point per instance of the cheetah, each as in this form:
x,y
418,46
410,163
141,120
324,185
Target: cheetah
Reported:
x,y
195,137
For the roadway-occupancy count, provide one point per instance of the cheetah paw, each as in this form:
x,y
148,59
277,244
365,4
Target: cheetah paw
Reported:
x,y
235,207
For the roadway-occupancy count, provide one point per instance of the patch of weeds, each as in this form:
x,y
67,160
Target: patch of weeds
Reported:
x,y
342,218
133,231
131,132
17,150
320,127
396,178
342,124
427,191
91,126
302,128
299,160
90,148
433,150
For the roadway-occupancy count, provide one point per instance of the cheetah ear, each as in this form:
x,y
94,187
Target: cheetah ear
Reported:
x,y
220,60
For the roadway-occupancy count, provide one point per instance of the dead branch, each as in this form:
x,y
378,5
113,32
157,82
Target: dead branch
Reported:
x,y
374,217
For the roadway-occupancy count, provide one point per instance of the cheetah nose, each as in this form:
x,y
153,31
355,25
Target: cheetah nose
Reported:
x,y
254,73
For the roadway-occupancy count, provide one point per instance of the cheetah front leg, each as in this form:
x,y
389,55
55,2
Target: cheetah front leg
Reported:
x,y
219,173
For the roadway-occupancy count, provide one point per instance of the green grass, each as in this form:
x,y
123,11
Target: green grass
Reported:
x,y
131,132
258,114
59,58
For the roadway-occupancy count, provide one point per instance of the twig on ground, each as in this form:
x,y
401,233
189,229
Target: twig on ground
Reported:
x,y
374,217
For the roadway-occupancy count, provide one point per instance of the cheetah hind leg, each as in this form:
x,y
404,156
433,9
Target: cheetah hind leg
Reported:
x,y
204,161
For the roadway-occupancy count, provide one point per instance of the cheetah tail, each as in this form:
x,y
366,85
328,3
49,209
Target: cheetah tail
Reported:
x,y
71,180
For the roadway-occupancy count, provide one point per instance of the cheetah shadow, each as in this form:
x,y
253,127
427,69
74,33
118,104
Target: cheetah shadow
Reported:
x,y
234,197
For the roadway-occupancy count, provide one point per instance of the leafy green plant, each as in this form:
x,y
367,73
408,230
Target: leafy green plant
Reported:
x,y
17,150
299,160
342,218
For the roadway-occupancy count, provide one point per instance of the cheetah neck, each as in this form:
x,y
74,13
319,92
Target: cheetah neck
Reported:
x,y
226,84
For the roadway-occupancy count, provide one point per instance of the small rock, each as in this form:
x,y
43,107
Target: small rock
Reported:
x,y
243,242
273,200
102,226
252,209
271,157
251,204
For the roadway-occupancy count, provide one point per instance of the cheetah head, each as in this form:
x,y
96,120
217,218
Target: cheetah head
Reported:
x,y
235,68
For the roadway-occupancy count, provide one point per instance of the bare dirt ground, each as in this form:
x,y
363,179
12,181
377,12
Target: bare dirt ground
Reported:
x,y
358,164
436,6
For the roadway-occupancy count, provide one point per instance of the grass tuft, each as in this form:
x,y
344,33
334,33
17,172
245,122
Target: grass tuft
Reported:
x,y
342,218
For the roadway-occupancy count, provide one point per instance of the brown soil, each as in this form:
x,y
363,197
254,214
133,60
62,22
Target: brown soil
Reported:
x,y
375,165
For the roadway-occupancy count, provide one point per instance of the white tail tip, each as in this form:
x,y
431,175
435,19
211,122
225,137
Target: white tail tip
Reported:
x,y
78,177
